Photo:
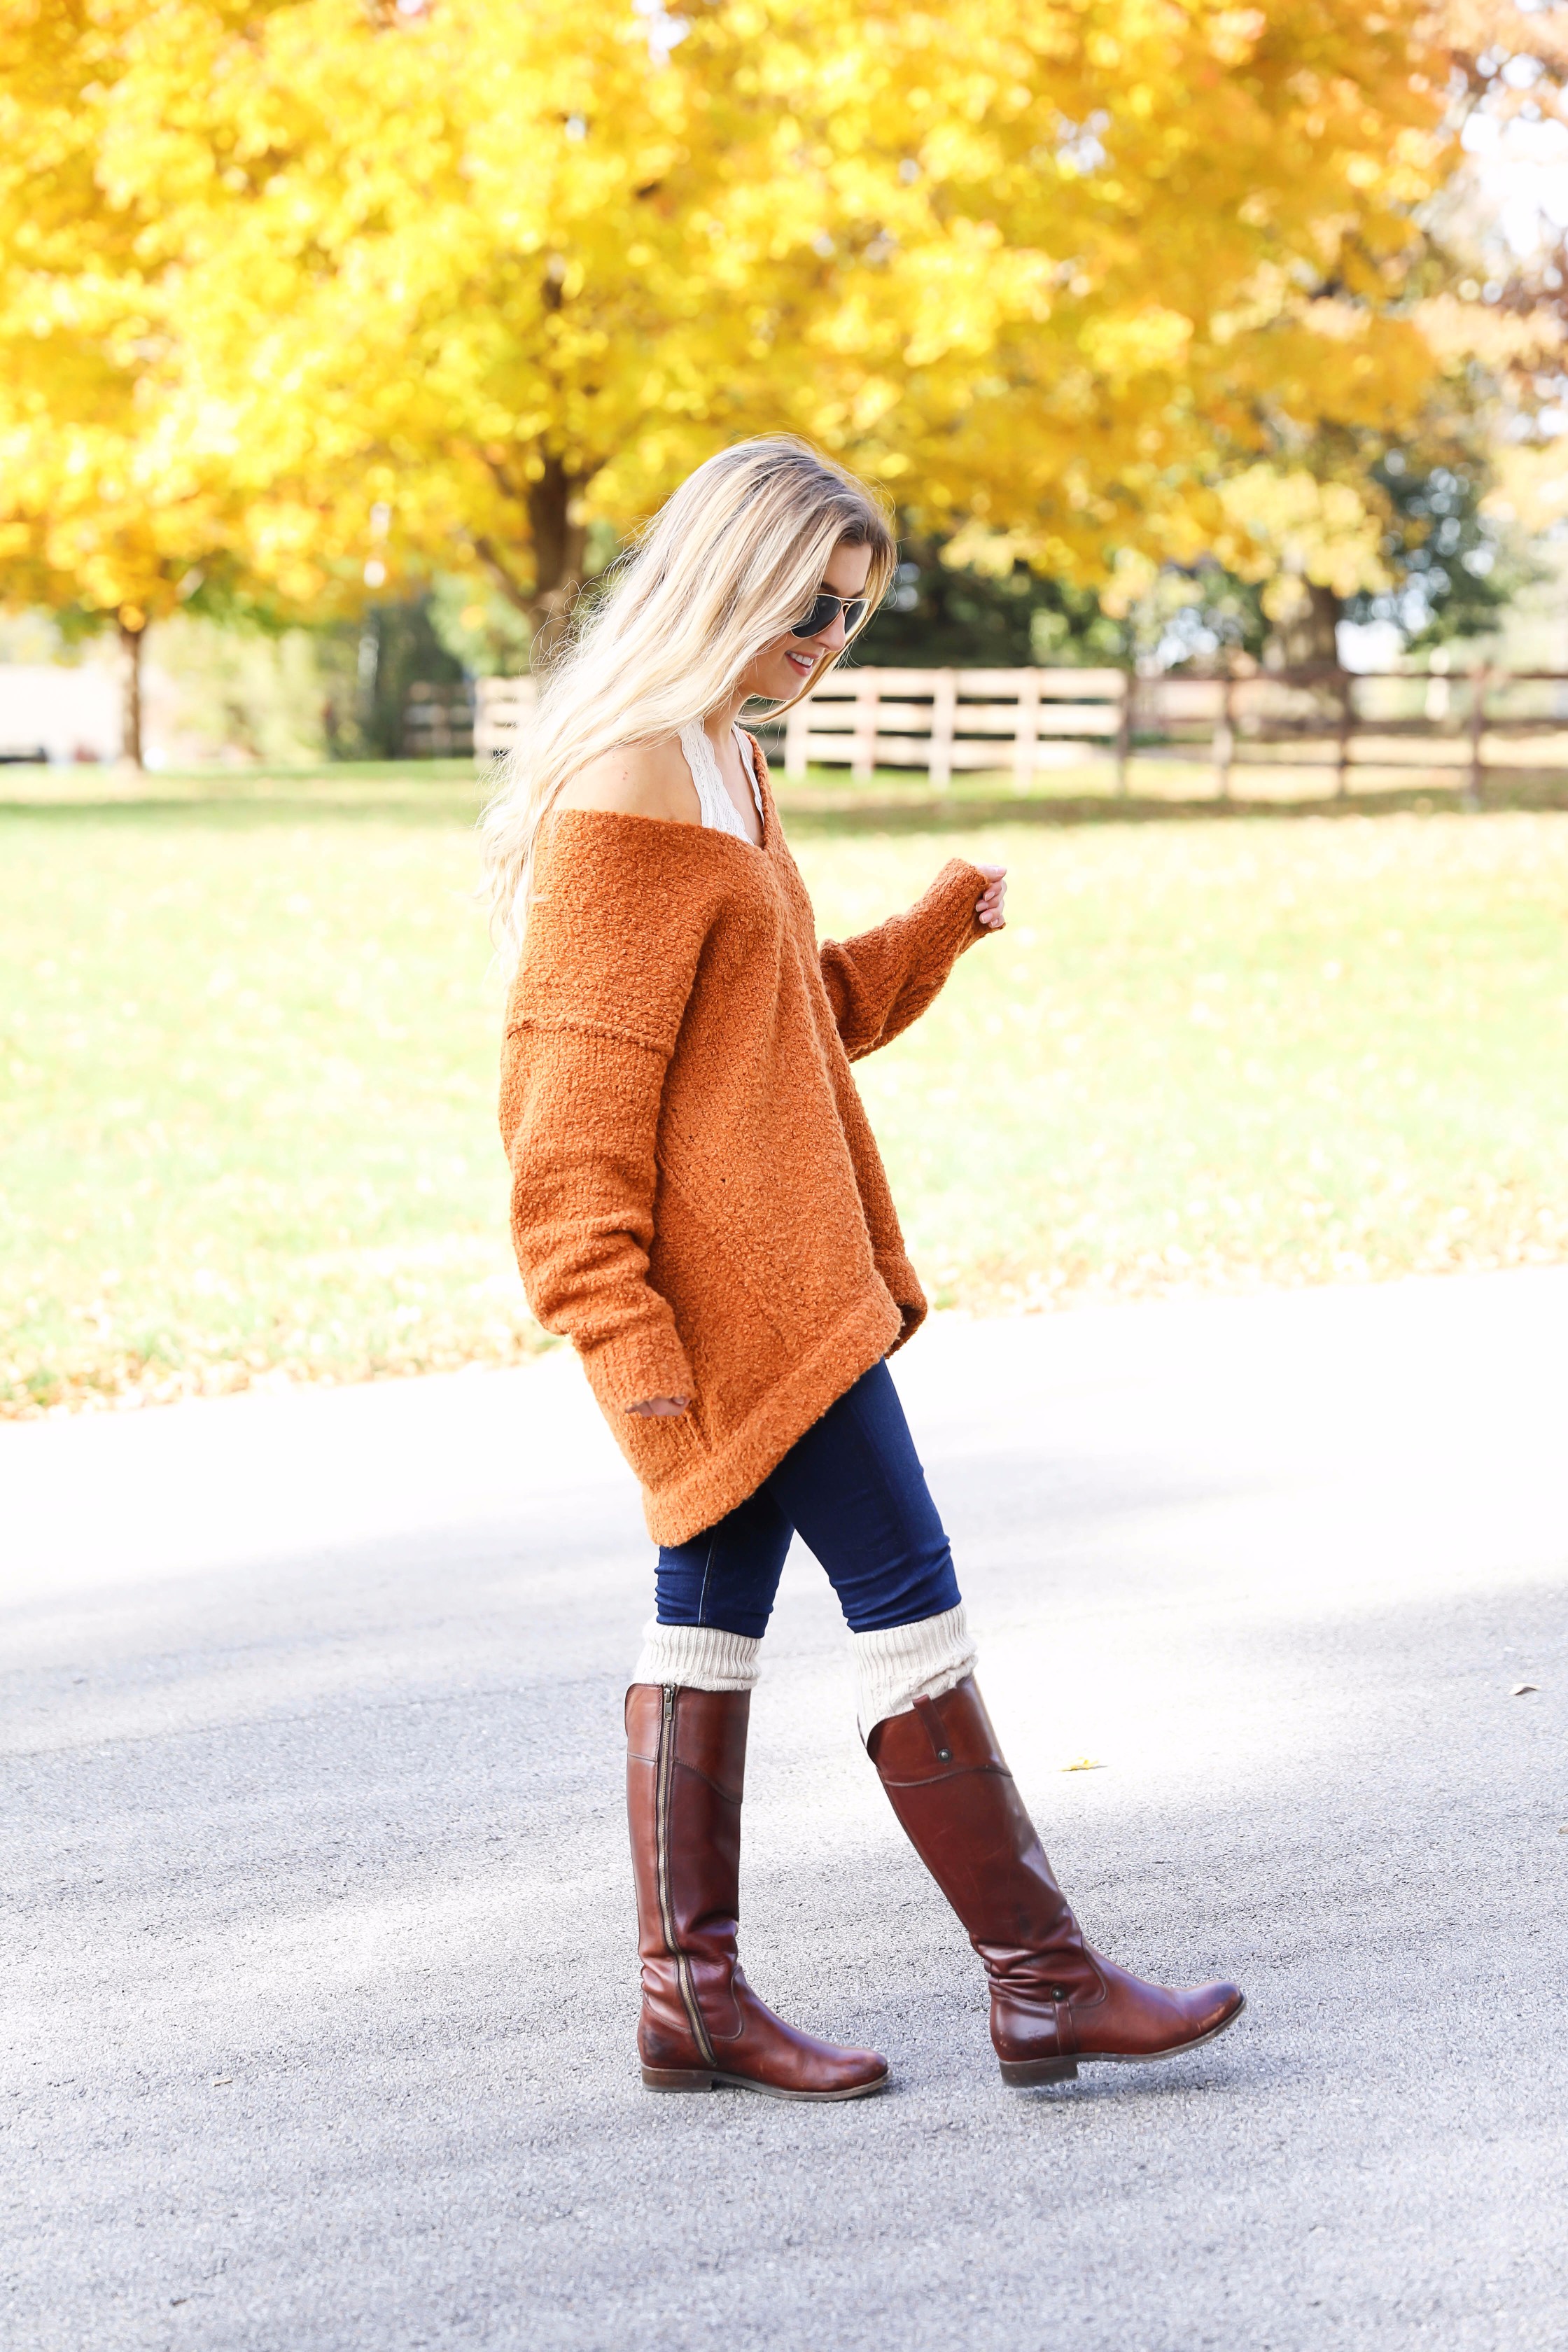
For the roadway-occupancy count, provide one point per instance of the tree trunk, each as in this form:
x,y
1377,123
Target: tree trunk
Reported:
x,y
559,545
132,628
1311,639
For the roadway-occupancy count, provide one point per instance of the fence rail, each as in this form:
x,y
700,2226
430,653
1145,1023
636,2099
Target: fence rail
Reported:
x,y
501,704
437,723
1021,722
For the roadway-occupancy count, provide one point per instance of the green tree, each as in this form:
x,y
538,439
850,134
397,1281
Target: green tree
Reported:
x,y
964,616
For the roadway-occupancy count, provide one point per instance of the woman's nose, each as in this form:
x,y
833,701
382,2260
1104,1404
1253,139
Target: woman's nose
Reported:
x,y
834,638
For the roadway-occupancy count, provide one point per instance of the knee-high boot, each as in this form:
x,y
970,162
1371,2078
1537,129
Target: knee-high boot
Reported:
x,y
1054,2001
701,2023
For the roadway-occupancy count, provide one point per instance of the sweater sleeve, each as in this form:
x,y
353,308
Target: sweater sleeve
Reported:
x,y
881,981
614,937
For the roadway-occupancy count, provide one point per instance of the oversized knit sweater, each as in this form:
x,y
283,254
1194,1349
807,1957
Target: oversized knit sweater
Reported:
x,y
698,1201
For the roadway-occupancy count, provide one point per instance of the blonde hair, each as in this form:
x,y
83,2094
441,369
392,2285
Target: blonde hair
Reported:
x,y
723,569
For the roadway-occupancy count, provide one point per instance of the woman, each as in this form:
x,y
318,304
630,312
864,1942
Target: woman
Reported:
x,y
697,1203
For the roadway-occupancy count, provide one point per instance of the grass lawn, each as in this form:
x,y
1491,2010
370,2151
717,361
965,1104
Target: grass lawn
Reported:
x,y
248,1050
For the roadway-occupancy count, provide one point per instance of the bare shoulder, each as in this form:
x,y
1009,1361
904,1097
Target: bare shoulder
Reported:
x,y
636,780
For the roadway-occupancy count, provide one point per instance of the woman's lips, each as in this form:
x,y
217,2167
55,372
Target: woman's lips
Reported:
x,y
801,661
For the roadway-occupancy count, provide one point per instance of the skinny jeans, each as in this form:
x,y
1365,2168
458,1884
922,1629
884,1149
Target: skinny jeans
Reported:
x,y
853,1489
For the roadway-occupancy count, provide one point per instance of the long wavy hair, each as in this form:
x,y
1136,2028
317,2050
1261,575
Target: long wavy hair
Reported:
x,y
725,567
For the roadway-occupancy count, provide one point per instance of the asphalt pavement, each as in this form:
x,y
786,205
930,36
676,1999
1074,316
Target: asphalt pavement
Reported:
x,y
319,1970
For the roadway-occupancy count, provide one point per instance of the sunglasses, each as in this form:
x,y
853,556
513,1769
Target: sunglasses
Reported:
x,y
822,612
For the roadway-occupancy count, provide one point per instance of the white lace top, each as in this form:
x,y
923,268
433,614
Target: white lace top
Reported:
x,y
720,814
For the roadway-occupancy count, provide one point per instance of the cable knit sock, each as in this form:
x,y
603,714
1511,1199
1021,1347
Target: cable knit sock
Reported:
x,y
698,1657
903,1663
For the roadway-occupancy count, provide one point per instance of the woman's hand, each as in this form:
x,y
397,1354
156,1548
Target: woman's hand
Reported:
x,y
659,1408
988,907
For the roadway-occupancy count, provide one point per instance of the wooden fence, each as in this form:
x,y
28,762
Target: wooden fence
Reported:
x,y
943,720
501,704
1470,722
936,721
1021,722
437,723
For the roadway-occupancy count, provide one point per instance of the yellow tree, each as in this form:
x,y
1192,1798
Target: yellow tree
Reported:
x,y
94,528
102,516
119,502
1056,269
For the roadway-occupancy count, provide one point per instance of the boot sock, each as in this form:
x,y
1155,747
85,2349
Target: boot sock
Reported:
x,y
899,1664
698,1657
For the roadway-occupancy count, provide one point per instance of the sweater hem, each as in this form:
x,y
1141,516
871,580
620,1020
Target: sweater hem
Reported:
x,y
712,1487
904,1289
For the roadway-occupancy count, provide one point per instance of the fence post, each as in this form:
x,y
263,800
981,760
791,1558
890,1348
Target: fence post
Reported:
x,y
1124,733
1224,749
1342,683
1027,735
863,756
797,721
943,724
1478,720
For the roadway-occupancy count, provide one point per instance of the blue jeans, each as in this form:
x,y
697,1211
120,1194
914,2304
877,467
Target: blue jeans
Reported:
x,y
853,1489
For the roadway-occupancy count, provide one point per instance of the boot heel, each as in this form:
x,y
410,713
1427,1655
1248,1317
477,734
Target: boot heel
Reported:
x,y
1020,2073
660,2078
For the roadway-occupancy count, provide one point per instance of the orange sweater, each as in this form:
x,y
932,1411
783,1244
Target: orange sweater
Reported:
x,y
698,1201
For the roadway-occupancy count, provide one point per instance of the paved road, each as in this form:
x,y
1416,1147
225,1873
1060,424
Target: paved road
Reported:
x,y
319,1976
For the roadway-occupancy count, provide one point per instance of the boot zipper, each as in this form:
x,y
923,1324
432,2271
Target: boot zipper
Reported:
x,y
666,1907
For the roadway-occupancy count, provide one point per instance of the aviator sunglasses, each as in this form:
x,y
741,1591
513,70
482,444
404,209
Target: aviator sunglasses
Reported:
x,y
821,614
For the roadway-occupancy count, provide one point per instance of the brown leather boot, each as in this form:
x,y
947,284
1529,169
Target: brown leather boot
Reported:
x,y
1054,2001
702,2022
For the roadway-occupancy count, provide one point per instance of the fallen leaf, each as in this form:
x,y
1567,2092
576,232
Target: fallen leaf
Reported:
x,y
1084,1764
1520,1688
